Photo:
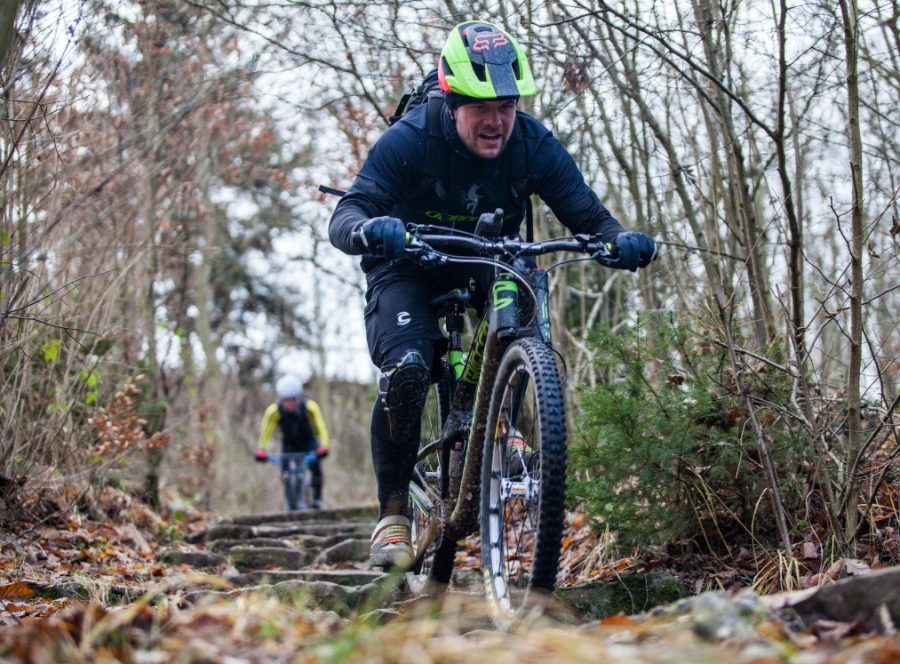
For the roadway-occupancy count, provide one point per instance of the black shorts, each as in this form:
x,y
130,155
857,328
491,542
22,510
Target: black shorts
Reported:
x,y
399,315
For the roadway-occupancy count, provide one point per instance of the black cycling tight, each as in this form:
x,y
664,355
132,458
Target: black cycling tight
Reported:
x,y
394,464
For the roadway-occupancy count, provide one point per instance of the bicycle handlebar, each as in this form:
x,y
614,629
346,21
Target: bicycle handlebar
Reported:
x,y
306,457
424,243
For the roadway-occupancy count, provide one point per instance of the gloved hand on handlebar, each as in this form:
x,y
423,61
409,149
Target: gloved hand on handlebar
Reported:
x,y
261,455
635,250
385,236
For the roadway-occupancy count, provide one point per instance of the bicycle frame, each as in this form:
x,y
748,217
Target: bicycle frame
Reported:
x,y
485,469
462,438
499,326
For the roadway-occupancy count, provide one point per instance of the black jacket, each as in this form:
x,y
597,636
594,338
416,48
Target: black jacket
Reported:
x,y
391,183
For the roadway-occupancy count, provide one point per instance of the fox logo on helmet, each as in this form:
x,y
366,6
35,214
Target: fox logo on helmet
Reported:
x,y
485,41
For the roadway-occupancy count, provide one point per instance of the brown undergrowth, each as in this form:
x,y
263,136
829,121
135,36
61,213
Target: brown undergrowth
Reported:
x,y
102,538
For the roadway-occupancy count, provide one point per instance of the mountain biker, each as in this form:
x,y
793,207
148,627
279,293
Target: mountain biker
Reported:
x,y
302,430
482,71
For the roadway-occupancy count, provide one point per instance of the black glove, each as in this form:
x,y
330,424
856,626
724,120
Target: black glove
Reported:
x,y
385,236
635,250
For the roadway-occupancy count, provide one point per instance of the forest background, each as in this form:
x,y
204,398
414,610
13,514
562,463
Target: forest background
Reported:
x,y
164,255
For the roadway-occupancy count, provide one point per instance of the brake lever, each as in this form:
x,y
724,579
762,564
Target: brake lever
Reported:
x,y
604,253
423,254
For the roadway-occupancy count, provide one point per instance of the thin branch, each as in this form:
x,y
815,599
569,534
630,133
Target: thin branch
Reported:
x,y
667,46
743,351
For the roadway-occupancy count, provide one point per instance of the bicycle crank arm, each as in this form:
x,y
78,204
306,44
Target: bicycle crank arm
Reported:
x,y
422,500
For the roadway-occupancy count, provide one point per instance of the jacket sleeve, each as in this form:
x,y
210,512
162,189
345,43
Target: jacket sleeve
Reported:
x,y
269,421
317,422
391,167
561,185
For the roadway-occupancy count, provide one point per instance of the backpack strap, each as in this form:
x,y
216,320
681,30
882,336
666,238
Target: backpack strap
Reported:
x,y
401,108
515,167
437,165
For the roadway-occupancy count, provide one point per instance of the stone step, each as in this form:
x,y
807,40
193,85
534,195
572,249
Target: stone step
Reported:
x,y
337,515
246,558
319,559
199,559
232,531
223,545
345,577
312,528
317,593
347,550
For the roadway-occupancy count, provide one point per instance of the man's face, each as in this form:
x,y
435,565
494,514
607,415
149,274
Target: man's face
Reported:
x,y
486,126
290,405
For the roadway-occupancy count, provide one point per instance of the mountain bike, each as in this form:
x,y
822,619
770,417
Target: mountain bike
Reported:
x,y
296,476
492,455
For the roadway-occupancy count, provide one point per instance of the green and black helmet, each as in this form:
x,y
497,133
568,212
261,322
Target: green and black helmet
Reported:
x,y
481,61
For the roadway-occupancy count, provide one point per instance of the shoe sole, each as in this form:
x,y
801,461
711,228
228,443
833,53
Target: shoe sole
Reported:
x,y
392,560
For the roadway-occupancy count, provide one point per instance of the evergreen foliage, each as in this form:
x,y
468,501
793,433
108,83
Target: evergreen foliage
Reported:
x,y
661,449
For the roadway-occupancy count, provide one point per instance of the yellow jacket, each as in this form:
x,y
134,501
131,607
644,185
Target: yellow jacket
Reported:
x,y
295,435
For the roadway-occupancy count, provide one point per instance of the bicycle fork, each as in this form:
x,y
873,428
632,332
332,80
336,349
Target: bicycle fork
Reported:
x,y
497,329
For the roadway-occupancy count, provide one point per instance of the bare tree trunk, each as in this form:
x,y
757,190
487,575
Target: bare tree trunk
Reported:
x,y
203,271
8,11
849,13
156,418
707,15
795,230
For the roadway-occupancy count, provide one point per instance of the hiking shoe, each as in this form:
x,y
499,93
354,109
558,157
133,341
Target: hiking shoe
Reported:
x,y
391,545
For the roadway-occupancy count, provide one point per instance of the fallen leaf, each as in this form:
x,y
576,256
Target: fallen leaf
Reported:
x,y
16,590
856,568
618,620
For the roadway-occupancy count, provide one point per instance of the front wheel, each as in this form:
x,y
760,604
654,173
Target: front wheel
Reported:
x,y
307,501
292,486
523,479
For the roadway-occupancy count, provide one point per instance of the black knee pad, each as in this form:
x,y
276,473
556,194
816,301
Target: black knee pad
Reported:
x,y
404,388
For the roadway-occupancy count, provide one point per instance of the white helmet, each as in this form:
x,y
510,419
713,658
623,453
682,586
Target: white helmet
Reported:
x,y
288,387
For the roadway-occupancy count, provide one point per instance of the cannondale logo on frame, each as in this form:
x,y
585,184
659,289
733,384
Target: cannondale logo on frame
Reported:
x,y
403,318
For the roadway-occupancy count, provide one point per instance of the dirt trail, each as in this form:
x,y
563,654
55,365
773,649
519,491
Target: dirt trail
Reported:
x,y
298,588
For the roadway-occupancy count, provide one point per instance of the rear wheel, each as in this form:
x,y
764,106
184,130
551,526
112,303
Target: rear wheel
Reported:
x,y
433,556
523,479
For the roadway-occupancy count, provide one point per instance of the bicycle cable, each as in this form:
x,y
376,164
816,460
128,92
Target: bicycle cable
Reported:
x,y
492,263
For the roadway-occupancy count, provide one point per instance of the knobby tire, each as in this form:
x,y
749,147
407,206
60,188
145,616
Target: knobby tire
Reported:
x,y
523,479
